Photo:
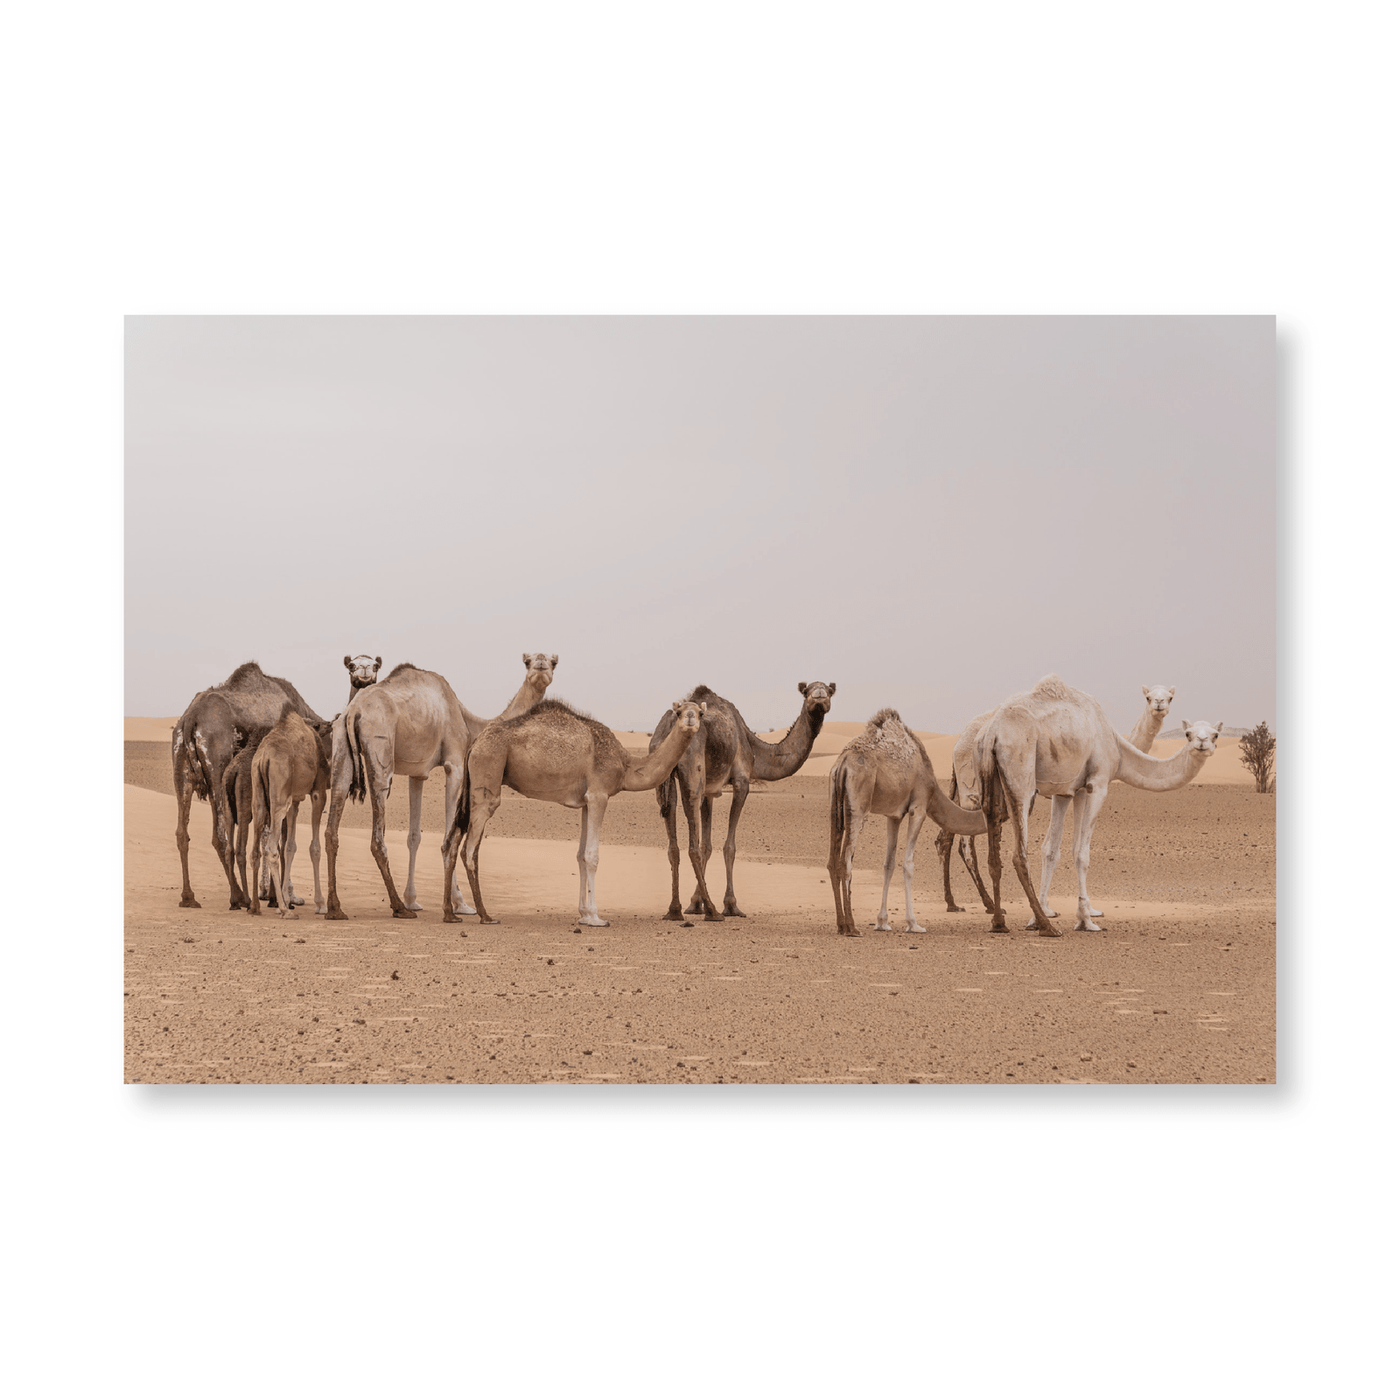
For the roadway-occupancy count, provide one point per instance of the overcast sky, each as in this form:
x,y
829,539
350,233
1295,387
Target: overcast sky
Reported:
x,y
932,512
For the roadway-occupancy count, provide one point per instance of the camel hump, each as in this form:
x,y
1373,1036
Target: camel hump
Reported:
x,y
882,717
1051,687
248,673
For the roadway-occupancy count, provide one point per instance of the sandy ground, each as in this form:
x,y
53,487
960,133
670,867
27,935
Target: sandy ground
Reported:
x,y
1178,988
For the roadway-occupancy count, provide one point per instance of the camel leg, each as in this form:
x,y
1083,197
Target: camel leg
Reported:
x,y
1084,830
595,809
834,862
1050,854
484,804
1020,830
1080,799
259,837
415,837
340,787
855,823
967,849
707,806
184,795
736,810
945,854
994,869
285,848
882,922
223,841
672,795
455,775
379,848
916,821
318,806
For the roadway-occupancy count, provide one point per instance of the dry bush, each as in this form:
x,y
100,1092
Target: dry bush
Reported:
x,y
1257,754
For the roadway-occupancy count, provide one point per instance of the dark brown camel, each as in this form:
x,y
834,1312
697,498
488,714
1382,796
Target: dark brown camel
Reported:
x,y
727,751
217,724
363,673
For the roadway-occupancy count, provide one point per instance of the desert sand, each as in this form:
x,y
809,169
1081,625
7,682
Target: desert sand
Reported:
x,y
1179,987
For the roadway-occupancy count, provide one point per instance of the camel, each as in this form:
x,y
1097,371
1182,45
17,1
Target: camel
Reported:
x,y
291,763
886,771
1057,741
554,753
410,723
964,789
216,725
363,673
728,751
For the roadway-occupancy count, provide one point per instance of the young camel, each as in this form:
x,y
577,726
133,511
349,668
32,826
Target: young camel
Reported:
x,y
964,790
363,673
886,771
555,754
727,751
409,723
291,764
1057,741
217,724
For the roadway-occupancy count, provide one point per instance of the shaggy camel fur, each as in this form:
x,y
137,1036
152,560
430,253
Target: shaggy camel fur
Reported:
x,y
410,723
291,764
886,771
555,754
217,724
727,751
964,788
363,672
1058,742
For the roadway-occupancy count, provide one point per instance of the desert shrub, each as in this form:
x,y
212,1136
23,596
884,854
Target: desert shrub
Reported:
x,y
1257,754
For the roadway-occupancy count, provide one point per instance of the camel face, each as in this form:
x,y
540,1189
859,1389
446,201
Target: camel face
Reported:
x,y
364,670
818,695
539,669
688,714
1159,699
1201,737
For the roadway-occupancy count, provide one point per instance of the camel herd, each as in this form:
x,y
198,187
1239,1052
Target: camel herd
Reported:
x,y
255,751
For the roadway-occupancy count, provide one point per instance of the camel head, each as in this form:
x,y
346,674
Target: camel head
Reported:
x,y
539,669
818,695
1159,699
1201,736
688,714
362,670
323,732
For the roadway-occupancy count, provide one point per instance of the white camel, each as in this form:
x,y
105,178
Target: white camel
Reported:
x,y
1058,742
965,790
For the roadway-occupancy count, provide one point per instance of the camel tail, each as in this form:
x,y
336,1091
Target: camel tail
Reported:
x,y
462,820
666,795
357,759
199,776
262,797
839,796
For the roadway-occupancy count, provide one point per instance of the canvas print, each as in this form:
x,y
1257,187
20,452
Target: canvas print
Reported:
x,y
700,700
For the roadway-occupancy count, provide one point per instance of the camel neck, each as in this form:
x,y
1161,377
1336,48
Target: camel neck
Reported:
x,y
1158,774
773,762
1144,733
526,698
647,771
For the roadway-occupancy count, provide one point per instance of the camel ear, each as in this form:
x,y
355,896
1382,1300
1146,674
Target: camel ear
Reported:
x,y
703,708
802,687
1171,692
525,657
1144,690
347,663
675,707
1220,729
831,689
378,662
554,660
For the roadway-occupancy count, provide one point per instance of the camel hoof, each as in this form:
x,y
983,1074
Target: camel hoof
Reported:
x,y
320,908
295,900
882,928
594,922
414,905
485,920
451,919
849,932
404,914
915,928
464,908
190,902
673,916
1087,926
734,913
717,918
956,909
256,913
337,914
1096,913
290,914
1051,933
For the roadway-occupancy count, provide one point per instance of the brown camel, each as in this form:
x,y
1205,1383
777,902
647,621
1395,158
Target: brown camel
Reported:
x,y
363,672
291,764
409,723
218,722
555,754
727,751
886,770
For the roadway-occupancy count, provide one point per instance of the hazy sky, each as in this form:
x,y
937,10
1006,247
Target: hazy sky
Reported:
x,y
932,512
